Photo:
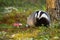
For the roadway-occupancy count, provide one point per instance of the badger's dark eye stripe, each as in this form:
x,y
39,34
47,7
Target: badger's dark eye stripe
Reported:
x,y
42,13
38,18
37,12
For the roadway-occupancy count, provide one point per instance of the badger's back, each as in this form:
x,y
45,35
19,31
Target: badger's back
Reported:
x,y
31,20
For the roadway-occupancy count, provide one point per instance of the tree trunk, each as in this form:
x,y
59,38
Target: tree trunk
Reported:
x,y
53,8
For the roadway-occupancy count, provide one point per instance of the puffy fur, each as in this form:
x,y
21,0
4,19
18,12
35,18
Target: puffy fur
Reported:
x,y
38,18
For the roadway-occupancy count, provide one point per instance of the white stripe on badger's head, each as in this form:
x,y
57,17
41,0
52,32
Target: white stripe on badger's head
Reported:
x,y
37,14
45,16
40,14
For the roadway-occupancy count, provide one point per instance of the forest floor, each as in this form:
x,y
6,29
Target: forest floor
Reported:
x,y
32,33
8,32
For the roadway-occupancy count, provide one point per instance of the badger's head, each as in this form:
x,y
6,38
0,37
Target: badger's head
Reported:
x,y
42,18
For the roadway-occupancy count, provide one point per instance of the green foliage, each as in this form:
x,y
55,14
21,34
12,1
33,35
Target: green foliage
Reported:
x,y
23,4
40,33
25,7
5,26
56,25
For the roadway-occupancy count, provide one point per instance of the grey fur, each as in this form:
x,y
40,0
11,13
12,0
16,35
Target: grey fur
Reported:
x,y
31,20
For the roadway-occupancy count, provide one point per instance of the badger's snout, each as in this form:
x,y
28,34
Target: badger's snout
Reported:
x,y
42,21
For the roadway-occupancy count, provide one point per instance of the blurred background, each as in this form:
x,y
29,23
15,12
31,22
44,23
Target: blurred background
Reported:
x,y
14,13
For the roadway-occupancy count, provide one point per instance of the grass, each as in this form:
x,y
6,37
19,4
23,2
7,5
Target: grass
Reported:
x,y
32,33
9,32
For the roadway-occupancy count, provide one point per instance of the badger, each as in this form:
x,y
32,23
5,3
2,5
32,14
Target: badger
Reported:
x,y
38,18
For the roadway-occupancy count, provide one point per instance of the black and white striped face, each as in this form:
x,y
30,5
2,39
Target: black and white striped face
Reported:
x,y
38,18
42,18
40,14
37,14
